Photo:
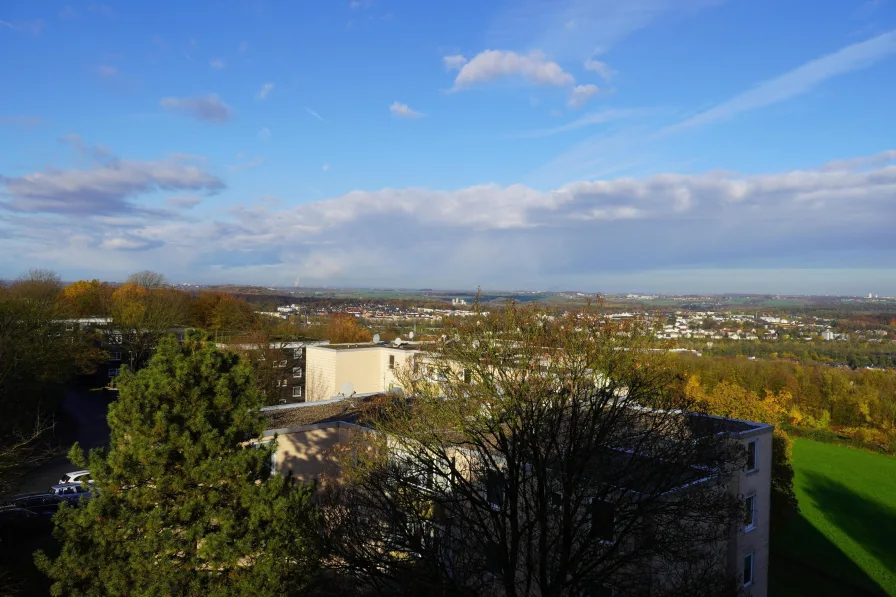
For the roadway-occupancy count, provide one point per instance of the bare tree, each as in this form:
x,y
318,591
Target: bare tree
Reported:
x,y
37,284
537,456
148,279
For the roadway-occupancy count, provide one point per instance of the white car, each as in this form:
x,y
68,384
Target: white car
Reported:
x,y
76,477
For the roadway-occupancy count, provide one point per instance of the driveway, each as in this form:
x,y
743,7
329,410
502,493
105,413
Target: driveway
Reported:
x,y
86,412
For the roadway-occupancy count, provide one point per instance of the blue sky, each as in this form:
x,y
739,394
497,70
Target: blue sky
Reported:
x,y
646,145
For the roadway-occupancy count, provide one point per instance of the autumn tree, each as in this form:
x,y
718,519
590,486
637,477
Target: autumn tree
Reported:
x,y
534,455
142,314
221,312
728,399
343,327
87,298
185,503
38,355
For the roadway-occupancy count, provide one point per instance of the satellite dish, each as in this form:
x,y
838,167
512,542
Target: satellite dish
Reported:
x,y
397,342
376,338
411,335
347,389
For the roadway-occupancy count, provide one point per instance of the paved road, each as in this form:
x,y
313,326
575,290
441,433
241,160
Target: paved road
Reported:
x,y
86,411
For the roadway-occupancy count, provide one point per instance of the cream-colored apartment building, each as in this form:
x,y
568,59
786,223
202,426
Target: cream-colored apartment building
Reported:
x,y
359,368
310,436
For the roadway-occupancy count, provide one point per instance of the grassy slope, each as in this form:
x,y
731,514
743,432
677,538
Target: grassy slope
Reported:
x,y
845,541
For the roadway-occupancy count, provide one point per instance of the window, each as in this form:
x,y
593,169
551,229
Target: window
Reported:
x,y
280,364
556,500
391,361
282,383
297,392
752,454
750,513
602,519
113,372
114,356
748,569
297,372
494,488
297,353
494,558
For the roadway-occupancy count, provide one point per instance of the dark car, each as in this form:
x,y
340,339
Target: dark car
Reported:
x,y
40,503
18,522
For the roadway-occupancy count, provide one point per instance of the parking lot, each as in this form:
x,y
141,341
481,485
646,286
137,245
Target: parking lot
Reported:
x,y
86,414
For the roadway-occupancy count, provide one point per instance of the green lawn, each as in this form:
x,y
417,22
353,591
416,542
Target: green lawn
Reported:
x,y
844,543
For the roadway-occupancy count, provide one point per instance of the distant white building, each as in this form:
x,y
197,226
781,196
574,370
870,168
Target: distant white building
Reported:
x,y
458,301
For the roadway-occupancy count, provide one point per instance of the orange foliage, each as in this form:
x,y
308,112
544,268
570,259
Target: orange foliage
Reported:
x,y
343,327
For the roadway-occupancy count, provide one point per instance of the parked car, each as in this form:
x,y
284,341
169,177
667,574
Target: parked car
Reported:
x,y
44,504
76,477
72,492
14,520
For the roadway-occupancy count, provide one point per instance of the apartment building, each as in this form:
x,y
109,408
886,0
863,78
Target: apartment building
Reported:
x,y
357,368
311,436
282,368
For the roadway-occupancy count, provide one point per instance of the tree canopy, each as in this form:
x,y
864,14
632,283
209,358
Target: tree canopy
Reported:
x,y
537,455
184,500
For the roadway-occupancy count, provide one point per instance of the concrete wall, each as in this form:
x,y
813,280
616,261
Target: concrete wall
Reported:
x,y
312,452
365,367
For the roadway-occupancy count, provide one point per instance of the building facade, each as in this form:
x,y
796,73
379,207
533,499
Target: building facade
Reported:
x,y
281,366
358,368
311,437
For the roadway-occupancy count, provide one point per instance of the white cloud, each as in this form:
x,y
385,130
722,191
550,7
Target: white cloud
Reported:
x,y
184,201
205,108
495,235
580,95
125,243
106,71
454,62
599,67
491,65
107,188
265,90
217,64
316,115
878,159
25,121
325,167
403,111
571,29
264,134
34,27
590,119
246,165
798,81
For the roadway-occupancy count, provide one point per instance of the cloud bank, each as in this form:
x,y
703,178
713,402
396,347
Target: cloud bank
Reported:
x,y
574,235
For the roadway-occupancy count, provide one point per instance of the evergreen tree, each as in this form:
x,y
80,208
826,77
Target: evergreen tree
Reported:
x,y
185,503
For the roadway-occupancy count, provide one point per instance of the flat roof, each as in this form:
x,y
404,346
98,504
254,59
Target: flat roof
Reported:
x,y
405,345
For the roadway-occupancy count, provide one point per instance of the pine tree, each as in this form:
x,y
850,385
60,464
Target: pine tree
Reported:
x,y
185,502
